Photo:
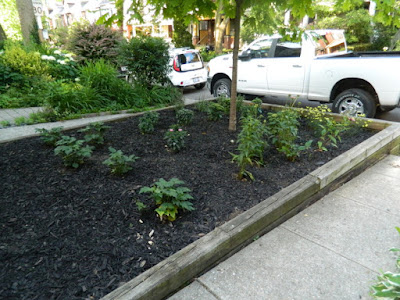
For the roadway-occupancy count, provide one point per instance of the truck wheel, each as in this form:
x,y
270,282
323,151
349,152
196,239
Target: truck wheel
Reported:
x,y
199,86
222,88
355,102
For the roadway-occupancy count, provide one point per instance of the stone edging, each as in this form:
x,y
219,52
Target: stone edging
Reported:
x,y
172,273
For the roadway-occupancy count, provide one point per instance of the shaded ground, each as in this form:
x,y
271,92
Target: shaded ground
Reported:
x,y
77,234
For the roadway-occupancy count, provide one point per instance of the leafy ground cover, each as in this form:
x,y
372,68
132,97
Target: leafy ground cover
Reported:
x,y
78,233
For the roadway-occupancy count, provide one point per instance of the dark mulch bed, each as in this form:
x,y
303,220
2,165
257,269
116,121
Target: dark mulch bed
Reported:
x,y
77,234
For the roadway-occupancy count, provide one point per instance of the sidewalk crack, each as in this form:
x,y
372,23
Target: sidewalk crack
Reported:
x,y
207,288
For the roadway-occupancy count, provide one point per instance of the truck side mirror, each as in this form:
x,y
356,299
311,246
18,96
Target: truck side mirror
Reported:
x,y
245,55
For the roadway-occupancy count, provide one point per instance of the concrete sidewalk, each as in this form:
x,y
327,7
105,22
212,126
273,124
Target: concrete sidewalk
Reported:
x,y
10,114
332,250
19,132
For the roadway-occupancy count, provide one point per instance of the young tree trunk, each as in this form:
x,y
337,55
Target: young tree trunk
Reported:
x,y
220,27
3,35
232,114
27,19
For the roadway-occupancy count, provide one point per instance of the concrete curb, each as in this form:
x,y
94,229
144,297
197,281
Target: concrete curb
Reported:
x,y
171,274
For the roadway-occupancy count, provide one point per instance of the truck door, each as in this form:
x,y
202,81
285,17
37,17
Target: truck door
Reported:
x,y
252,72
286,70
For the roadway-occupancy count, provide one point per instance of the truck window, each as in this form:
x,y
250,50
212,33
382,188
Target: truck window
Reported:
x,y
261,49
287,49
329,43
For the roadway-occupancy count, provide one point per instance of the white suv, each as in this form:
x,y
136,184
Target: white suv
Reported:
x,y
187,68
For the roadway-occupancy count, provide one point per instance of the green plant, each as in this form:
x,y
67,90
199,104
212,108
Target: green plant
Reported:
x,y
72,151
388,285
184,116
102,77
93,42
283,130
50,137
140,205
68,97
170,197
20,121
5,123
118,162
27,92
22,61
251,144
148,121
202,106
175,138
60,65
252,109
95,133
9,77
147,58
215,111
43,116
208,55
327,128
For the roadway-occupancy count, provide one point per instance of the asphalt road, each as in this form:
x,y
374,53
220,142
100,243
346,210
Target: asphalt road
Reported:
x,y
193,94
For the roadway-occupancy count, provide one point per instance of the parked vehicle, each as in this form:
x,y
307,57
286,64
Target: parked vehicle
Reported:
x,y
187,68
317,68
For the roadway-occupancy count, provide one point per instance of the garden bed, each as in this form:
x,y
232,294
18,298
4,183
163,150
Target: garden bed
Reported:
x,y
73,234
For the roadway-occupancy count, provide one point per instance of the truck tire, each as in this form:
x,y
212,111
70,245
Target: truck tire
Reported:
x,y
355,102
222,88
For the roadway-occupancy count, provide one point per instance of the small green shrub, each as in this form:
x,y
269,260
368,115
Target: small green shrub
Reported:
x,y
95,133
60,65
50,137
20,121
215,111
148,121
5,123
29,92
329,130
202,106
101,76
72,151
184,116
283,130
9,77
170,197
118,162
147,58
22,61
253,109
68,97
93,42
208,55
251,144
226,104
175,138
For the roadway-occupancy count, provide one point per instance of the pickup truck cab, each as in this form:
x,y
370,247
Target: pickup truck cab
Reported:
x,y
317,68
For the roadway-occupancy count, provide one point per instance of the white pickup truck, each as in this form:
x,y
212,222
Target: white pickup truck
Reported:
x,y
318,68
